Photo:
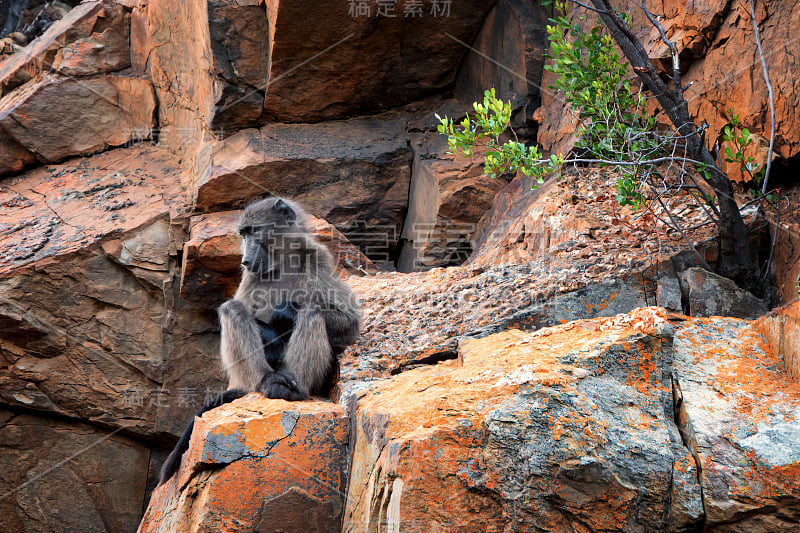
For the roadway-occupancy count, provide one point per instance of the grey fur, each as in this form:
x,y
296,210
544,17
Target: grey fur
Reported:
x,y
282,262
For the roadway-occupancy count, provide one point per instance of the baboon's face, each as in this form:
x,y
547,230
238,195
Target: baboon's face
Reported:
x,y
264,227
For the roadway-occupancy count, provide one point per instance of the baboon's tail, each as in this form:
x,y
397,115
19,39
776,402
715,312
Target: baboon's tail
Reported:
x,y
173,462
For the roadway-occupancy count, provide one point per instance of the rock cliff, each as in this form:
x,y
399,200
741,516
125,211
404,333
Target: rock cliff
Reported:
x,y
513,372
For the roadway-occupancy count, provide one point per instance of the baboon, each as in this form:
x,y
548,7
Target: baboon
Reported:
x,y
290,317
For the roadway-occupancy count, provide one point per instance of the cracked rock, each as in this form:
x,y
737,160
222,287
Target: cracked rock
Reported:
x,y
249,461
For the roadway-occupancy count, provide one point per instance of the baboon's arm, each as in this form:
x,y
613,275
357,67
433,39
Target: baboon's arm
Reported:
x,y
240,347
308,354
342,327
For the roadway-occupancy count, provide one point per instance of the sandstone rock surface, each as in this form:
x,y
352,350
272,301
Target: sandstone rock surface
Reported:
x,y
638,422
448,196
413,52
781,330
730,72
103,473
258,465
364,163
513,67
740,410
562,252
529,431
57,117
113,259
241,44
76,34
80,296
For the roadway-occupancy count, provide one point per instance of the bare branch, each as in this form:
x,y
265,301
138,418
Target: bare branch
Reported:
x,y
764,187
673,48
683,234
586,6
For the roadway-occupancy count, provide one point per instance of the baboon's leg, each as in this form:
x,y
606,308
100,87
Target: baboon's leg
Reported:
x,y
308,355
240,347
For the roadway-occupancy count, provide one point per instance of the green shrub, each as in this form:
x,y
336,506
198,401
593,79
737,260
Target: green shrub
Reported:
x,y
615,128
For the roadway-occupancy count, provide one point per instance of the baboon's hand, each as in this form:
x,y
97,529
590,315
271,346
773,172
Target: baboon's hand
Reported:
x,y
281,385
234,309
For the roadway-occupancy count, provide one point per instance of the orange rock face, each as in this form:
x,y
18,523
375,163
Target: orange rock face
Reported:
x,y
572,426
66,95
731,72
77,25
93,114
258,465
528,431
739,411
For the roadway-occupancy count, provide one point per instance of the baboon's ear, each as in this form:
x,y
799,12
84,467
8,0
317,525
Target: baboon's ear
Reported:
x,y
286,211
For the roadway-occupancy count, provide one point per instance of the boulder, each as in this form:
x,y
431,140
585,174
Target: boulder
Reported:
x,y
418,319
710,294
240,42
92,332
258,465
83,24
58,117
564,428
739,413
520,227
88,257
55,210
107,49
354,64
